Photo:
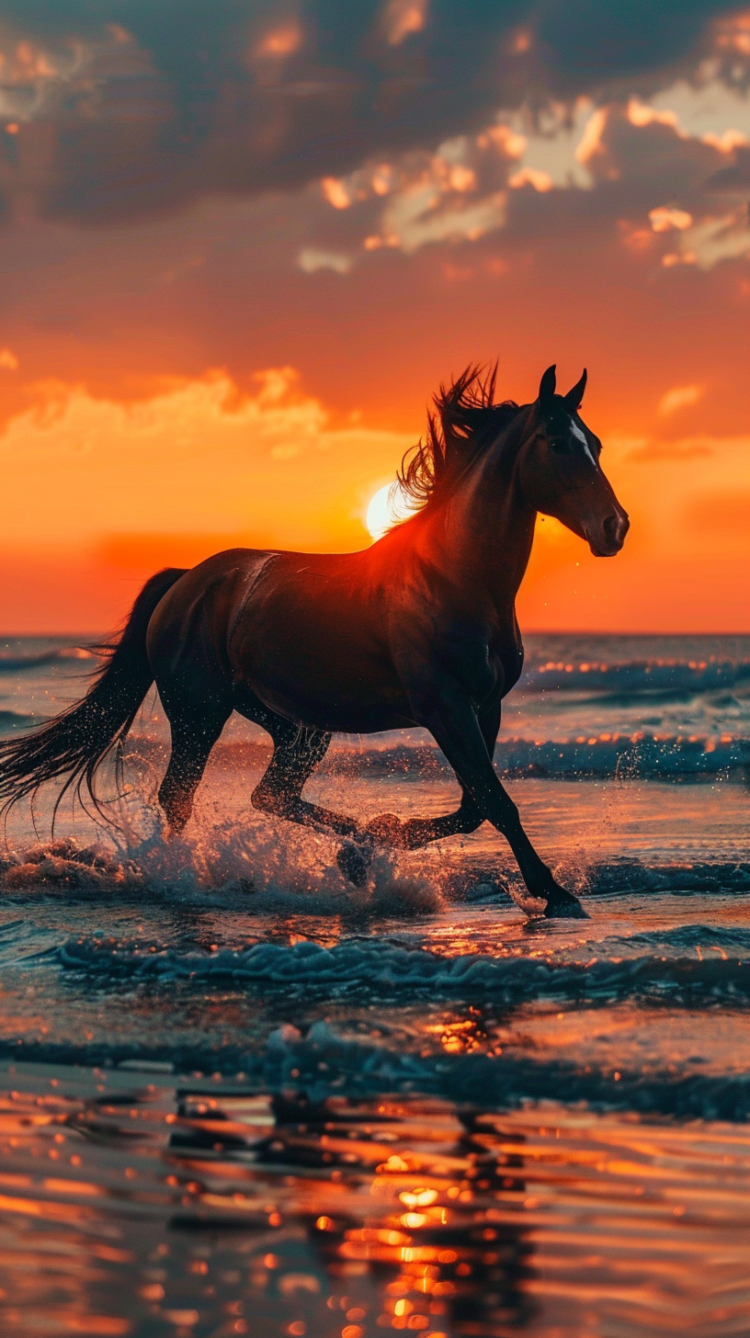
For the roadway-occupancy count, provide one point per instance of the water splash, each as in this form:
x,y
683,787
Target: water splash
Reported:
x,y
266,867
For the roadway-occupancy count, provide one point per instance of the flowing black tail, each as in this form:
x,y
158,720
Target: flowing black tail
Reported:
x,y
76,743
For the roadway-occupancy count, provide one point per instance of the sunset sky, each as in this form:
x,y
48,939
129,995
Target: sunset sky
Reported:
x,y
242,242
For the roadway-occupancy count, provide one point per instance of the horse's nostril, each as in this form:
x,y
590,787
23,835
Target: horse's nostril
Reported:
x,y
610,526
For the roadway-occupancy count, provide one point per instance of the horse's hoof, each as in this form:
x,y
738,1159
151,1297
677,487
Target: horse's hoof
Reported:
x,y
386,830
353,862
562,905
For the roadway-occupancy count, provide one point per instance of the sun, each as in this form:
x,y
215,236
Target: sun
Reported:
x,y
386,507
379,519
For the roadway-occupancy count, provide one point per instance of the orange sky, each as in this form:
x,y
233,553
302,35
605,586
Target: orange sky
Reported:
x,y
249,364
99,493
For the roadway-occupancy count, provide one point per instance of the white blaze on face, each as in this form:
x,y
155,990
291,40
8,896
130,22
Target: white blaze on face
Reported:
x,y
387,506
581,436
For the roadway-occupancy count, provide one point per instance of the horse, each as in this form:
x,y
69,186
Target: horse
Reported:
x,y
420,629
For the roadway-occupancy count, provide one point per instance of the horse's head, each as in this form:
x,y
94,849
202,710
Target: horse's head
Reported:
x,y
560,473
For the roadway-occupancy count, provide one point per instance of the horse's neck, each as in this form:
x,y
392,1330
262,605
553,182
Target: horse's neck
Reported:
x,y
488,533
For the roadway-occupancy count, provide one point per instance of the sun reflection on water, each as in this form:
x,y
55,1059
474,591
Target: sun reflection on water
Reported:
x,y
204,1210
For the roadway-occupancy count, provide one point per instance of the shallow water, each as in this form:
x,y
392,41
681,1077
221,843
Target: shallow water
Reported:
x,y
139,1204
239,1096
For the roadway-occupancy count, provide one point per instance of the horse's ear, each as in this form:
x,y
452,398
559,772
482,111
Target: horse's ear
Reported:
x,y
547,386
574,397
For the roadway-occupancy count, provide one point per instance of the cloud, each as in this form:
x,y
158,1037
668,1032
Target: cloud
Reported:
x,y
199,457
125,109
663,219
456,193
531,176
730,458
401,18
69,422
669,169
680,397
735,177
310,260
625,166
726,237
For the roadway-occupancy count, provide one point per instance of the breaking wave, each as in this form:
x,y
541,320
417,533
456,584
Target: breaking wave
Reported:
x,y
14,664
16,720
246,867
637,756
675,967
645,756
637,677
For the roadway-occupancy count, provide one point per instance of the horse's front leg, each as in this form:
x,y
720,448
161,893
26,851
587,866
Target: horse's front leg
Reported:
x,y
452,721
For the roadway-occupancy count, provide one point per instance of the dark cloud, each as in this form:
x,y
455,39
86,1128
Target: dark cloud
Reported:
x,y
671,197
667,193
589,39
734,178
124,108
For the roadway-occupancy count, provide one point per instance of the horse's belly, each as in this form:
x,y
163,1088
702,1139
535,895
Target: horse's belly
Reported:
x,y
340,707
322,677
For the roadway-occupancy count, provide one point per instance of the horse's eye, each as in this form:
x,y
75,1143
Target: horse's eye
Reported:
x,y
560,445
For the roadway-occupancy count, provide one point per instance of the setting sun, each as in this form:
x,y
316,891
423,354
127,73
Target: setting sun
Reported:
x,y
379,517
386,508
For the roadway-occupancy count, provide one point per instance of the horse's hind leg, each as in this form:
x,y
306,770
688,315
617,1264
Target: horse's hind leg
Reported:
x,y
194,734
297,752
413,833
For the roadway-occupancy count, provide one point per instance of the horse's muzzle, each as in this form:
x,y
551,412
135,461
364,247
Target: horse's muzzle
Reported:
x,y
607,538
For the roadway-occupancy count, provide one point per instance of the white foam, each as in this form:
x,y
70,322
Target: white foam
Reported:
x,y
264,867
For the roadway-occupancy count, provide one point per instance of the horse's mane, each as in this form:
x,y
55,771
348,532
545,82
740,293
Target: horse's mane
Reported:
x,y
464,423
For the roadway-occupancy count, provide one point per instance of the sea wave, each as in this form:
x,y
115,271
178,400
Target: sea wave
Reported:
x,y
638,755
14,664
10,720
308,1068
681,973
636,677
321,1061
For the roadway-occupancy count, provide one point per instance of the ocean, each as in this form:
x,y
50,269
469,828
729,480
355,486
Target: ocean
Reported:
x,y
238,1095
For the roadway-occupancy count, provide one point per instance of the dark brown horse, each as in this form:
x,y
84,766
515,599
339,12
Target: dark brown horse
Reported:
x,y
419,629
